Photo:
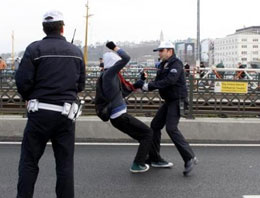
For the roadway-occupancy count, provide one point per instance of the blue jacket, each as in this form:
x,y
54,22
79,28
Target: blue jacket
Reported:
x,y
52,70
112,85
170,80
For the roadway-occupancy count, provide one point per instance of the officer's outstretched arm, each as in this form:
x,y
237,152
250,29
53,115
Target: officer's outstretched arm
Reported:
x,y
170,79
25,75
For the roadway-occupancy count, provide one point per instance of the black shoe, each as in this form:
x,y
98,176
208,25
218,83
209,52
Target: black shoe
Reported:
x,y
189,166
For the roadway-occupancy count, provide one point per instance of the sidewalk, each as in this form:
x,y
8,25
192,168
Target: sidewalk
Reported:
x,y
204,130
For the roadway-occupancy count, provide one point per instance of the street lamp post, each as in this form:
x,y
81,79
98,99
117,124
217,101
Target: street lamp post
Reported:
x,y
13,67
86,37
198,54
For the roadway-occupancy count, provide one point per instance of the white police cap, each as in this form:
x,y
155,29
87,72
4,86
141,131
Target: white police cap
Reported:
x,y
164,45
52,16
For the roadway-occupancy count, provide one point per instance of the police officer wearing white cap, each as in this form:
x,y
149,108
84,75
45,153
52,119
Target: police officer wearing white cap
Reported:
x,y
49,77
170,81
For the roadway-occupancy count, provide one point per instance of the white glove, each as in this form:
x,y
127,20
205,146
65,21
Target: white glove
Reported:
x,y
145,87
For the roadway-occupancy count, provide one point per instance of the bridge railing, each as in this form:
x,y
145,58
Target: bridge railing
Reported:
x,y
203,99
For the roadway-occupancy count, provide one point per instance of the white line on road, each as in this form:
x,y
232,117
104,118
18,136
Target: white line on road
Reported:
x,y
251,196
135,144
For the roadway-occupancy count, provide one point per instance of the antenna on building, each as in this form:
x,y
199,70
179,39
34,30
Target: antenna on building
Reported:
x,y
161,36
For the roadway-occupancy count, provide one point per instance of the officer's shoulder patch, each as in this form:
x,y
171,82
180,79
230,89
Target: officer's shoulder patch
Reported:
x,y
173,71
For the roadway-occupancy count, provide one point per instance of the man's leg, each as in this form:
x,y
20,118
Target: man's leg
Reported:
x,y
33,146
138,131
157,125
63,140
172,121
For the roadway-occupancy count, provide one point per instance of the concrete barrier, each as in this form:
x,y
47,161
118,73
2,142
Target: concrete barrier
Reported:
x,y
204,130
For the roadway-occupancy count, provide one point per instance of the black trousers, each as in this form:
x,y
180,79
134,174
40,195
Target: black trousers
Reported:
x,y
41,127
138,131
169,115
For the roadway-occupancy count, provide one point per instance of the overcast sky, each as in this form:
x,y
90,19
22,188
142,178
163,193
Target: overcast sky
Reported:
x,y
126,20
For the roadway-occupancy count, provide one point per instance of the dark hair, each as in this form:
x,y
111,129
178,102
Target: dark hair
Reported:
x,y
173,51
52,27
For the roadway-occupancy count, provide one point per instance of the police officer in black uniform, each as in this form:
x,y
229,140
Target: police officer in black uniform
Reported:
x,y
49,77
170,81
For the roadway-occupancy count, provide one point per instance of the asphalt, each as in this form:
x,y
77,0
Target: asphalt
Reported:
x,y
103,172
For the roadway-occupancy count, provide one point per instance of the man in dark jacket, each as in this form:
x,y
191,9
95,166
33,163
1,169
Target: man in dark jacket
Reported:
x,y
187,69
119,118
49,77
101,64
202,70
170,81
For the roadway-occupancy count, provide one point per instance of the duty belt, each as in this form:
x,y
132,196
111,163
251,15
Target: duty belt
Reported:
x,y
72,111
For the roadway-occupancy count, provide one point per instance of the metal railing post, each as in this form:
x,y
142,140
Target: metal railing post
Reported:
x,y
191,88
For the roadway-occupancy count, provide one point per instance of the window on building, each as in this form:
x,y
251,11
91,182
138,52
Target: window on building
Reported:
x,y
255,59
255,53
244,40
244,52
244,46
255,40
255,46
244,59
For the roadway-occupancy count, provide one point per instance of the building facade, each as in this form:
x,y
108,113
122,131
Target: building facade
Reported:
x,y
185,50
207,52
241,47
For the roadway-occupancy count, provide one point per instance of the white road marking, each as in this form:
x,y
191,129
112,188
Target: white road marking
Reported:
x,y
251,196
136,144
